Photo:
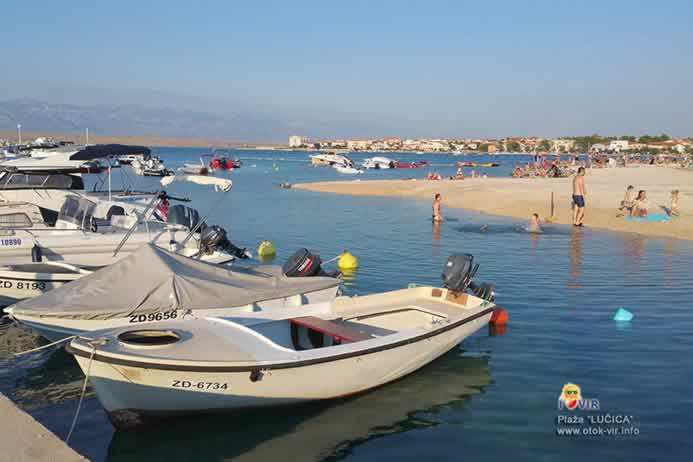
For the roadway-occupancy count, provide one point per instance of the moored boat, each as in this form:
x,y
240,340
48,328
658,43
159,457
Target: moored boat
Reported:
x,y
348,170
378,163
28,280
153,284
421,163
331,159
308,353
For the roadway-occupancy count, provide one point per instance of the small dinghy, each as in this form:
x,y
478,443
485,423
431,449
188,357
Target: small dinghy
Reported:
x,y
153,284
348,170
194,169
308,353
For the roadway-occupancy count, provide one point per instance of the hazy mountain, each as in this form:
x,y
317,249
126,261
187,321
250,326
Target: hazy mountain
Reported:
x,y
113,119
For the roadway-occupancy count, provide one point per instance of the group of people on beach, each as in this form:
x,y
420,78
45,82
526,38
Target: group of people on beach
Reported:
x,y
459,175
638,205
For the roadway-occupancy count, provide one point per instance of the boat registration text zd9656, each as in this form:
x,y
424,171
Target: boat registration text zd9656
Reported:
x,y
149,317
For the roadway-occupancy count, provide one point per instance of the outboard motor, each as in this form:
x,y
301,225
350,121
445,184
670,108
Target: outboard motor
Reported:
x,y
459,271
484,290
304,264
214,238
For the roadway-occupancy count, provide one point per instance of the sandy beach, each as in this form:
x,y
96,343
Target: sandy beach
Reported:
x,y
520,197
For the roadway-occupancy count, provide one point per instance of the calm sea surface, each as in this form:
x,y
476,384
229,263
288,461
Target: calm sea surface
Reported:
x,y
493,397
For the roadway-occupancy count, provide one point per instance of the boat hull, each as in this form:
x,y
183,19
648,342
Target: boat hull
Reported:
x,y
19,286
86,248
134,395
54,328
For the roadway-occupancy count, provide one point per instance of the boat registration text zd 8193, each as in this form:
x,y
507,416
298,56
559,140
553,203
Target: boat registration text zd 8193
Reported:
x,y
22,285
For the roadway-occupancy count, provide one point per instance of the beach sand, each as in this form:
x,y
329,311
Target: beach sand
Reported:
x,y
520,197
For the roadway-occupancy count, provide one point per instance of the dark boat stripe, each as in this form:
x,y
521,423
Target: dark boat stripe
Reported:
x,y
290,365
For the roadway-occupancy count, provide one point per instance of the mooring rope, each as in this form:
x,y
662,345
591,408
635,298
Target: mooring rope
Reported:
x,y
33,350
93,344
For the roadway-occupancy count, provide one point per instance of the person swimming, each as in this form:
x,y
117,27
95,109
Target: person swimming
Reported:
x,y
437,215
534,224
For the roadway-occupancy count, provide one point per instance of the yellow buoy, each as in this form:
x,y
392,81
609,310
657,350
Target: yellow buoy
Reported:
x,y
266,249
347,261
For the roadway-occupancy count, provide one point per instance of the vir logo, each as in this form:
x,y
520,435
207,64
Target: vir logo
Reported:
x,y
571,399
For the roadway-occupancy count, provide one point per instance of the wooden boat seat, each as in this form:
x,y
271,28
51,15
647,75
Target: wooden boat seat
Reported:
x,y
337,331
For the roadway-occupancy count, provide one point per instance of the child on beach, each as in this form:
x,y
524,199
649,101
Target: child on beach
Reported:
x,y
640,205
674,205
628,199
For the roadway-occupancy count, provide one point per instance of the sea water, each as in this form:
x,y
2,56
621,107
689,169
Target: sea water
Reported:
x,y
494,396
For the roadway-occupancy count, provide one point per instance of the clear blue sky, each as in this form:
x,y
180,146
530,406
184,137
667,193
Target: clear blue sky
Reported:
x,y
430,68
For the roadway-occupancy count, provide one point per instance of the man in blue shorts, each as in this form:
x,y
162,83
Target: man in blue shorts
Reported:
x,y
579,197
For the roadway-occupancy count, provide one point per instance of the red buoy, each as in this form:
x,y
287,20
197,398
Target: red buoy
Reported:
x,y
499,317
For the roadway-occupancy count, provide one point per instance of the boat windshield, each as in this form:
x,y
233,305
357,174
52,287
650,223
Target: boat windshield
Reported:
x,y
21,180
77,210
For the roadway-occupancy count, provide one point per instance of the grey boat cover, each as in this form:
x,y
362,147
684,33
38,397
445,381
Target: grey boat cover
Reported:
x,y
152,279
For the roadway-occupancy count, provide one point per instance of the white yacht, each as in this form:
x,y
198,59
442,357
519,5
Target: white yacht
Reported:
x,y
332,159
379,163
47,181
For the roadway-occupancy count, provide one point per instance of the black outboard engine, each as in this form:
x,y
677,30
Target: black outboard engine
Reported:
x,y
304,264
484,290
214,238
458,273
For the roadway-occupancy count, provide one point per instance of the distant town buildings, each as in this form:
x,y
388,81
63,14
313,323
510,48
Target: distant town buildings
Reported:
x,y
532,145
296,141
618,145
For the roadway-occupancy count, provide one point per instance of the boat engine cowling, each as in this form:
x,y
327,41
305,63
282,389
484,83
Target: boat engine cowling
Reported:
x,y
459,271
215,238
303,263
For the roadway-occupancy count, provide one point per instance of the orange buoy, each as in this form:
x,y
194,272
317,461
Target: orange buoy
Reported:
x,y
496,330
499,317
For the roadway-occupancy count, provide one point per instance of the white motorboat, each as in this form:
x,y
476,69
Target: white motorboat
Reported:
x,y
348,170
81,239
28,280
46,181
309,434
153,166
288,356
154,284
379,163
195,169
332,159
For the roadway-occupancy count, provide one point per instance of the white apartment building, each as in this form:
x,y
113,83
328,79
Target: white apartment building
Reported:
x,y
618,145
296,141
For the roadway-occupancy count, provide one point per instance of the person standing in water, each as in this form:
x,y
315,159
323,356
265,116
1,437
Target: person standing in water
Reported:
x,y
534,224
579,193
437,215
